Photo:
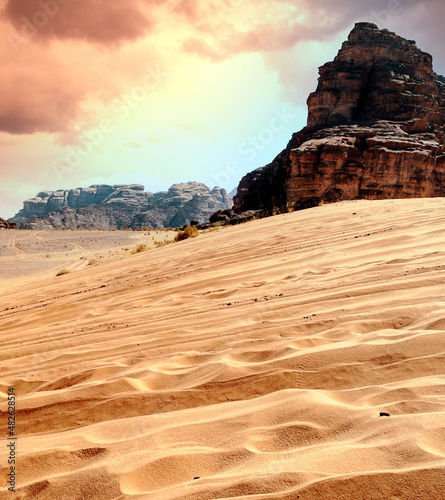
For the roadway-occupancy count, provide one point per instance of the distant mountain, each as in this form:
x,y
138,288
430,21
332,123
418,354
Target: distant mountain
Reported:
x,y
121,206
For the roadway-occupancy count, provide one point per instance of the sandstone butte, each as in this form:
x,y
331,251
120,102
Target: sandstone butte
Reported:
x,y
375,130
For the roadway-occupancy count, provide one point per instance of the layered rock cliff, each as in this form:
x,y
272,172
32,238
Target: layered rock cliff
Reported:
x,y
122,206
375,130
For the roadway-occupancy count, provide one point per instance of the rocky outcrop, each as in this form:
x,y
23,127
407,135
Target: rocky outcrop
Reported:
x,y
381,160
181,204
375,130
129,198
122,206
5,224
377,75
226,217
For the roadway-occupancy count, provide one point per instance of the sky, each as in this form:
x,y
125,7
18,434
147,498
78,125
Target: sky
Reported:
x,y
158,92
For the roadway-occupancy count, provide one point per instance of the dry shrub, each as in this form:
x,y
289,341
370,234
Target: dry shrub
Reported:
x,y
63,271
189,232
140,248
159,244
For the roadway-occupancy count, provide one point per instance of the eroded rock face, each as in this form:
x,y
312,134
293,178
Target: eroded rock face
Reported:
x,y
375,130
129,197
377,75
122,206
380,160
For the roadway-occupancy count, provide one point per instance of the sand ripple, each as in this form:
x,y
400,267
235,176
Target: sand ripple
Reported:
x,y
253,362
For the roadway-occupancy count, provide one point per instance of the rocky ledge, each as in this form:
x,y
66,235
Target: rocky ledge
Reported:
x,y
375,130
121,207
5,224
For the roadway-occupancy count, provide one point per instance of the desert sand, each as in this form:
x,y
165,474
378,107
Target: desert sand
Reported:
x,y
29,255
250,362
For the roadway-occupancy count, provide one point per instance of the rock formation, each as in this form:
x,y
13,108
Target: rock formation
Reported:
x,y
375,130
5,224
122,206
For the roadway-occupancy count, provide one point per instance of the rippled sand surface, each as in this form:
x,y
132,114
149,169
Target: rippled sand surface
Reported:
x,y
250,362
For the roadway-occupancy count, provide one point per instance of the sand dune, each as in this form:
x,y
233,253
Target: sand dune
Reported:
x,y
27,256
251,362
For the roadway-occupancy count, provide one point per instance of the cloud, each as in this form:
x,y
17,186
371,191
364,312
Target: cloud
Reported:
x,y
48,86
32,101
97,21
43,90
85,49
268,26
294,38
62,60
188,8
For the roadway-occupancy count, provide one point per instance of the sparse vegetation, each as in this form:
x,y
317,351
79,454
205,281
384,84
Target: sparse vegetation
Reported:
x,y
189,232
63,271
140,248
92,262
159,244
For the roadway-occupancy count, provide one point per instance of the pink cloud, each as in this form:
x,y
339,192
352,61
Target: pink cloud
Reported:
x,y
98,21
33,101
189,8
45,82
280,25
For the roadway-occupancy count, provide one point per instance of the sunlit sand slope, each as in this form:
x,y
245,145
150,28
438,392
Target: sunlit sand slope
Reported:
x,y
252,362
